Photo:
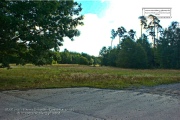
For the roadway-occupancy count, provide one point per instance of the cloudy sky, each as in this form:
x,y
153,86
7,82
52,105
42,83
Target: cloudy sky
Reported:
x,y
101,16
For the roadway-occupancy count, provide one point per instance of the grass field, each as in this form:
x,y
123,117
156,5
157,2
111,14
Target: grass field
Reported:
x,y
63,76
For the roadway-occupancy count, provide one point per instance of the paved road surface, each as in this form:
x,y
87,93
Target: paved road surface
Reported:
x,y
153,103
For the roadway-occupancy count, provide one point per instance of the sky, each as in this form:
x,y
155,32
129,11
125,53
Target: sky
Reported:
x,y
101,16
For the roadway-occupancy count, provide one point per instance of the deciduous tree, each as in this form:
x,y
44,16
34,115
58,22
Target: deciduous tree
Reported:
x,y
36,27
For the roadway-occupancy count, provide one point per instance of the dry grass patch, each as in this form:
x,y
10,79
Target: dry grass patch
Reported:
x,y
63,76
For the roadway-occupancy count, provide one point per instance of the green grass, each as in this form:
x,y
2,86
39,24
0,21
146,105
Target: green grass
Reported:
x,y
63,76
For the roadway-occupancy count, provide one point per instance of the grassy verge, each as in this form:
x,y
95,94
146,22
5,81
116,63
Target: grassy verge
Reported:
x,y
63,76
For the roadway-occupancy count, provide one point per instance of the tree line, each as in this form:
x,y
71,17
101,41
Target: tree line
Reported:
x,y
64,57
67,57
163,52
32,32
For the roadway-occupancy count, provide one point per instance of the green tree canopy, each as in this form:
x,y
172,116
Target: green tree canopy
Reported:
x,y
131,55
30,29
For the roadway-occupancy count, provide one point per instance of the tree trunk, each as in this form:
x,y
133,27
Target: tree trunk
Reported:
x,y
157,33
154,33
141,31
111,43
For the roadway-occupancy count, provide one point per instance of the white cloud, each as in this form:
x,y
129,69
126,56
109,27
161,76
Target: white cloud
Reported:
x,y
125,13
96,31
94,35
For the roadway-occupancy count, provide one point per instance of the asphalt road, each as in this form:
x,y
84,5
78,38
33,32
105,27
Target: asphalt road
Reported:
x,y
149,103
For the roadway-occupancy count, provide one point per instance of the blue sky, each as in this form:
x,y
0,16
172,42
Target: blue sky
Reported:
x,y
103,15
94,6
